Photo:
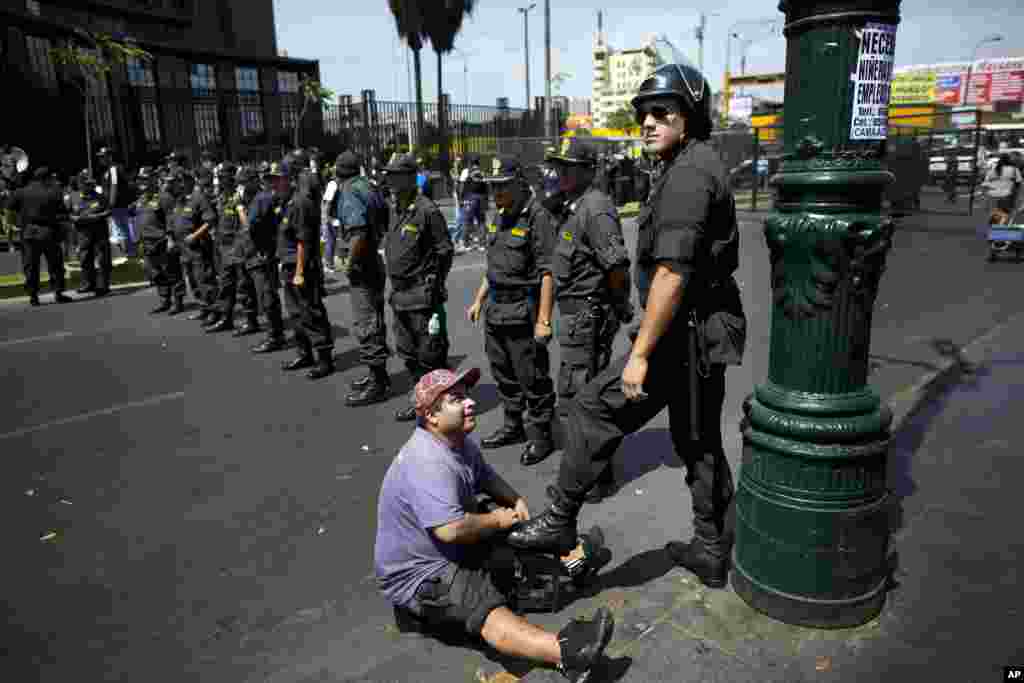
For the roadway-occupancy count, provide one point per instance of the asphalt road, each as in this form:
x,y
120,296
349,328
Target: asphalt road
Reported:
x,y
213,518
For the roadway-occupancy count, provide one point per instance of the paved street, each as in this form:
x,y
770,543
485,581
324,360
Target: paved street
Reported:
x,y
213,518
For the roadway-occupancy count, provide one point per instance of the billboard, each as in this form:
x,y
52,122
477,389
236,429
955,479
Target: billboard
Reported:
x,y
992,81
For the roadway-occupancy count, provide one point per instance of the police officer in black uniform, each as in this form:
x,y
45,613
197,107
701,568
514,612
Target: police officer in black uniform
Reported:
x,y
519,292
233,283
363,216
41,214
265,215
153,209
591,269
693,326
89,213
200,251
419,253
302,270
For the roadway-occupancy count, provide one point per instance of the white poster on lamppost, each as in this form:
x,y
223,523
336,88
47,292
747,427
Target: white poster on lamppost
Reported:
x,y
872,82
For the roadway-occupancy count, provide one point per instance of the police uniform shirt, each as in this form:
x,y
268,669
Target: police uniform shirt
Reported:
x,y
230,209
519,246
588,245
151,212
89,207
301,224
40,208
690,223
192,212
418,244
265,215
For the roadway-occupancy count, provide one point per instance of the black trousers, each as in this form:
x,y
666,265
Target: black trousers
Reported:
x,y
306,310
368,324
165,266
522,369
583,338
600,417
420,350
266,279
94,253
200,264
235,285
32,251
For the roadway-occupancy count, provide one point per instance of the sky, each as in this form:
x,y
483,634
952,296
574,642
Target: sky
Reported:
x,y
358,47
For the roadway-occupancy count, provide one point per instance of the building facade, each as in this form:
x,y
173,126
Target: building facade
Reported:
x,y
215,81
617,75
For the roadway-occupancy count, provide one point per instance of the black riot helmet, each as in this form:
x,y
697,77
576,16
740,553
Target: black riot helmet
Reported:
x,y
685,83
146,180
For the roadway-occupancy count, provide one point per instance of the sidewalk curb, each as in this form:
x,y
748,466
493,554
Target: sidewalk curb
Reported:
x,y
905,403
16,300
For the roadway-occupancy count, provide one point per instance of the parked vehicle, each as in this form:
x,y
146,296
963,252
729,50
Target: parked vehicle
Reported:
x,y
965,162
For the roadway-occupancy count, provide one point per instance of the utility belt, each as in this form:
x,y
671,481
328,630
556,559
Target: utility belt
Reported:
x,y
576,305
503,294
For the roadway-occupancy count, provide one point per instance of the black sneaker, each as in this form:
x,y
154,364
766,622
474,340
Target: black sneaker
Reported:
x,y
712,571
582,644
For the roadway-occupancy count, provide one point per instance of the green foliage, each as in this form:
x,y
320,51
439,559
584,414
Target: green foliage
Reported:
x,y
94,54
314,92
623,119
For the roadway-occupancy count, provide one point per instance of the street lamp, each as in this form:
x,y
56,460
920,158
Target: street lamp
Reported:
x,y
526,48
732,33
994,38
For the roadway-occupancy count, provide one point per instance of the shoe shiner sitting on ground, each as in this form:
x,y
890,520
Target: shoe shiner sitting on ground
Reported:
x,y
438,560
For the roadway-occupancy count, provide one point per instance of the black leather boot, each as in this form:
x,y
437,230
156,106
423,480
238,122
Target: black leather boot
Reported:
x,y
62,298
324,364
552,532
179,307
301,362
33,300
539,446
200,315
220,324
506,436
583,642
251,326
164,306
603,488
405,414
712,570
86,288
274,342
376,389
361,382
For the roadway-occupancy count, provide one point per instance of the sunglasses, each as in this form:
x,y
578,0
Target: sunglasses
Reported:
x,y
660,112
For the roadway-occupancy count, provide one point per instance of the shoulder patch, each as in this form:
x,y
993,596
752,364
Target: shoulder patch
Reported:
x,y
520,231
492,228
410,228
567,236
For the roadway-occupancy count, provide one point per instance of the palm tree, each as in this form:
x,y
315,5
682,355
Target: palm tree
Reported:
x,y
409,20
441,27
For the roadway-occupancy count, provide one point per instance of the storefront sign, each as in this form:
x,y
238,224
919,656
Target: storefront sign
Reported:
x,y
872,82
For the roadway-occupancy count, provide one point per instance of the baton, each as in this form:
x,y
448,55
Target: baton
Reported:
x,y
694,378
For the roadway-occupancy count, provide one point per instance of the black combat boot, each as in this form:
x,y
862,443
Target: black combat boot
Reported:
x,y
361,382
506,436
86,288
405,414
164,306
300,362
62,298
250,326
376,389
33,300
712,570
324,364
539,446
179,307
222,324
583,642
275,342
603,488
552,532
201,315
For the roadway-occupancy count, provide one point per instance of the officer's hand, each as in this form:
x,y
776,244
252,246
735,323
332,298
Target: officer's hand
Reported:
x,y
298,280
506,517
541,333
189,239
633,377
473,312
521,510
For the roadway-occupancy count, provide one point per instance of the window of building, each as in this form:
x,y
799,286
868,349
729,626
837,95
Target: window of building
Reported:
x,y
140,73
287,82
288,88
32,7
207,123
39,58
151,124
250,105
204,80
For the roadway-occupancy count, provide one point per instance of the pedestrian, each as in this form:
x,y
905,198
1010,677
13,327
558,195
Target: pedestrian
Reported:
x,y
329,223
233,284
474,197
265,215
116,188
299,250
591,269
418,252
363,217
153,212
519,292
90,214
438,556
1003,185
693,326
41,215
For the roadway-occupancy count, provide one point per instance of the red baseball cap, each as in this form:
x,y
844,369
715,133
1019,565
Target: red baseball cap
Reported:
x,y
436,382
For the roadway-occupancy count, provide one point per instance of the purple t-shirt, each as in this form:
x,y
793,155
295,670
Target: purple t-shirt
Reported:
x,y
427,485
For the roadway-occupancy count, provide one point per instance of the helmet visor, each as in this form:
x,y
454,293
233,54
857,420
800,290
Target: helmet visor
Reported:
x,y
689,75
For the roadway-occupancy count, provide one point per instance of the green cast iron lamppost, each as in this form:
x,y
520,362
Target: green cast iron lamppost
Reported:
x,y
812,529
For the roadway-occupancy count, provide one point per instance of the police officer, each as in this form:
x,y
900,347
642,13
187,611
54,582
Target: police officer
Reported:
x,y
591,269
233,282
153,209
41,214
115,184
265,215
519,291
693,326
194,216
419,253
302,271
89,214
363,216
